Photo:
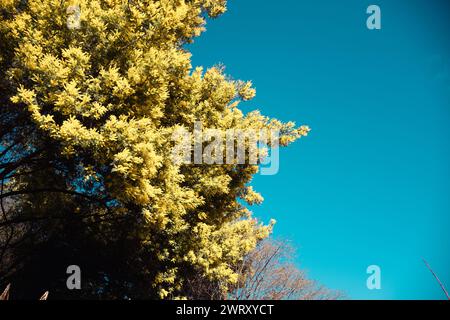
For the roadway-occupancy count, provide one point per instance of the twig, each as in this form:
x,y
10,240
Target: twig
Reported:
x,y
439,281
5,294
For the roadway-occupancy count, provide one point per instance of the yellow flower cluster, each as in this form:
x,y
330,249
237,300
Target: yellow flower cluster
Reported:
x,y
115,89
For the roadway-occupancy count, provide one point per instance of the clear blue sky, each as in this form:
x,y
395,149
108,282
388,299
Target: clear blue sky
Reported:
x,y
370,185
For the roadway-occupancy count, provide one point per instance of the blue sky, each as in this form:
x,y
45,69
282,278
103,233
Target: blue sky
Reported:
x,y
370,185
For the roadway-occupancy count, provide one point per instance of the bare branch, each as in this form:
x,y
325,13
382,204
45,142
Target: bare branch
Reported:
x,y
437,279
